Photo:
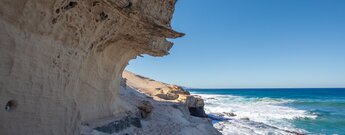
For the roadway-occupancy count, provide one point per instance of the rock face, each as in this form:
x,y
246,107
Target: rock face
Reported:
x,y
61,61
196,105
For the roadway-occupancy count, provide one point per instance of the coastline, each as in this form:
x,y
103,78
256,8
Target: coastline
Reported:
x,y
166,105
276,111
63,68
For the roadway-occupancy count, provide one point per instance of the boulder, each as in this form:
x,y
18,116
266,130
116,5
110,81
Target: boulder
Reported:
x,y
145,108
195,106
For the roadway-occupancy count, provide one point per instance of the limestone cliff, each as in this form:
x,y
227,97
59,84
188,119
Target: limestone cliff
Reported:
x,y
61,60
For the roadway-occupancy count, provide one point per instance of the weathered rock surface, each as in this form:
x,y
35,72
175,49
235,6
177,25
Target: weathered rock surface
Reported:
x,y
61,61
157,90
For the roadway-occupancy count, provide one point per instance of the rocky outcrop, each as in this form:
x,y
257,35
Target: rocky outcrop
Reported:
x,y
157,90
159,116
166,92
195,106
61,61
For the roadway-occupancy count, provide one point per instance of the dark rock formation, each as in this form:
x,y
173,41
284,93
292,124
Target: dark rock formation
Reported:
x,y
119,125
196,105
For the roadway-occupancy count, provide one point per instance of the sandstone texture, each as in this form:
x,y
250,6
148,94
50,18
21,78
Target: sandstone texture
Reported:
x,y
158,90
61,64
61,61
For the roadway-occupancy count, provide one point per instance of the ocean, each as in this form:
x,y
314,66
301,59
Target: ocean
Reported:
x,y
276,111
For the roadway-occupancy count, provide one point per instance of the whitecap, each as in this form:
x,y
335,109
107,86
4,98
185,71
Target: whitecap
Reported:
x,y
269,111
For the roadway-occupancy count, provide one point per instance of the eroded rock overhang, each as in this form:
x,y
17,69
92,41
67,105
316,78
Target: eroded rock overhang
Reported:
x,y
61,60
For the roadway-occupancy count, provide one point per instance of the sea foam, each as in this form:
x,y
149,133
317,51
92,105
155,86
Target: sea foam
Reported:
x,y
254,115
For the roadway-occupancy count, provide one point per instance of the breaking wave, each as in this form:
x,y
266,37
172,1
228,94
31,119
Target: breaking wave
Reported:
x,y
246,115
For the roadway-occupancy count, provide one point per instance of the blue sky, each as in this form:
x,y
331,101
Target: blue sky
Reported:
x,y
253,44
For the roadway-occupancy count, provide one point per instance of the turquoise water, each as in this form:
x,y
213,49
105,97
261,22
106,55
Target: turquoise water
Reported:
x,y
309,111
